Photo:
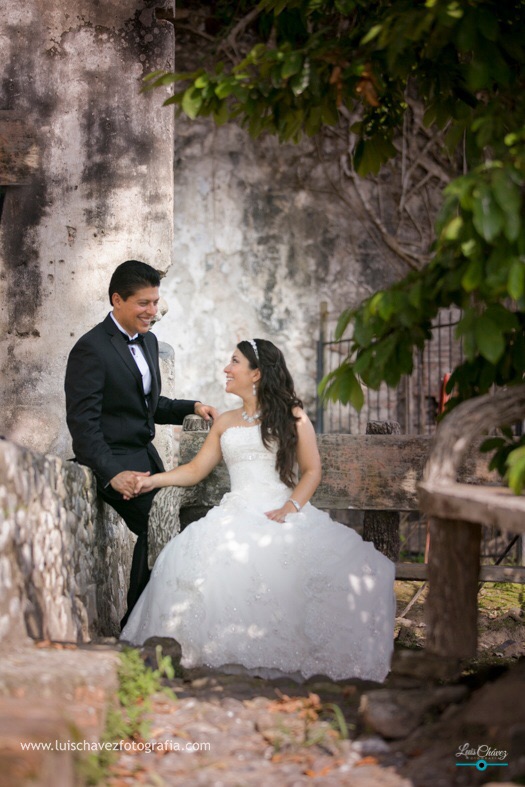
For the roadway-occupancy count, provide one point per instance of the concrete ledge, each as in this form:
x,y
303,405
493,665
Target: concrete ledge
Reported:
x,y
363,472
53,708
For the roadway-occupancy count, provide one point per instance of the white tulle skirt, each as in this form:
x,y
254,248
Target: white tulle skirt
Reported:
x,y
238,590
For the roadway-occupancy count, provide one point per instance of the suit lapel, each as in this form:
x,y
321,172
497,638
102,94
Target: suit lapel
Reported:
x,y
120,345
149,349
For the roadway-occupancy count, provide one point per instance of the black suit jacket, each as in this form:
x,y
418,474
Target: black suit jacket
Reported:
x,y
111,423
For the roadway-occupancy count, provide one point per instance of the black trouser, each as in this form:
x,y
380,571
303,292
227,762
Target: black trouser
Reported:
x,y
135,514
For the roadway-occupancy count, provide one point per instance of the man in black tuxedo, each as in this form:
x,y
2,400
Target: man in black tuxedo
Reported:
x,y
113,401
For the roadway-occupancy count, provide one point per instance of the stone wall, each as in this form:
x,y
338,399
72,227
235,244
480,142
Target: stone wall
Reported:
x,y
102,192
64,557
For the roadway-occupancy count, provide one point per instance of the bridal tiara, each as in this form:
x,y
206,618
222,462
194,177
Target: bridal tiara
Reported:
x,y
254,345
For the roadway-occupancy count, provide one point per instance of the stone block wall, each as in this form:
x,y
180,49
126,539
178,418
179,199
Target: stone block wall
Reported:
x,y
64,556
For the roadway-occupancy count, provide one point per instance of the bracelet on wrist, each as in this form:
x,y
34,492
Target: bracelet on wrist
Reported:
x,y
294,503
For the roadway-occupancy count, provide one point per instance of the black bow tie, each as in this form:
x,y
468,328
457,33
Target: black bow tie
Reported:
x,y
139,339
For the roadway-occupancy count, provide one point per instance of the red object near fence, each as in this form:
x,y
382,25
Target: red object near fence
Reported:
x,y
443,395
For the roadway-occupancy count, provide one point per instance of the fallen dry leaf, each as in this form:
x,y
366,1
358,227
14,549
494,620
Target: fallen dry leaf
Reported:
x,y
48,643
366,761
323,772
306,706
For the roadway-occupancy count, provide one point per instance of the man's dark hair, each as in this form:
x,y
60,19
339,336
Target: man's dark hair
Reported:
x,y
131,276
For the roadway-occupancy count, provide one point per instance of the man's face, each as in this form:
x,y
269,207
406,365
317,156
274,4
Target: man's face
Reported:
x,y
137,312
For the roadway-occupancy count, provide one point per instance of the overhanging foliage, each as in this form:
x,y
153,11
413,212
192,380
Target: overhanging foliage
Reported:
x,y
312,60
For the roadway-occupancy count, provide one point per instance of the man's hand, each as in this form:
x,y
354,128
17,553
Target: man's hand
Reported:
x,y
125,482
206,411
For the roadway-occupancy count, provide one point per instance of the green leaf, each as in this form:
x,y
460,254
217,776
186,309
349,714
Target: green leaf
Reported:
x,y
469,248
153,75
516,470
202,81
351,391
192,102
415,294
341,385
385,305
516,280
489,339
329,112
454,10
487,23
371,154
473,276
221,115
452,230
300,81
225,88
508,197
491,444
292,65
345,6
372,33
487,217
478,73
313,121
503,317
342,323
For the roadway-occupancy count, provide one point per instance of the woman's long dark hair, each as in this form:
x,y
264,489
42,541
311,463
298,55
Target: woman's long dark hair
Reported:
x,y
276,399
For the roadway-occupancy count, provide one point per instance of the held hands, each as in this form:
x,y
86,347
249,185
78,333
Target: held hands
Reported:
x,y
126,481
144,484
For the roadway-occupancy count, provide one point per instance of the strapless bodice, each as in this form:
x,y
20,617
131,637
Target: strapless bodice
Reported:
x,y
252,466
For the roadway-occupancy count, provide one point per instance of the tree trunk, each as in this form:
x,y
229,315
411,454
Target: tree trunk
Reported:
x,y
453,574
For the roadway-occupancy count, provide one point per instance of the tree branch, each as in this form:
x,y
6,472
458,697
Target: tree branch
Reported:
x,y
413,261
240,27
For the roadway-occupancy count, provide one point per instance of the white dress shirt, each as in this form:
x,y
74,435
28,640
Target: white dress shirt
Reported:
x,y
138,356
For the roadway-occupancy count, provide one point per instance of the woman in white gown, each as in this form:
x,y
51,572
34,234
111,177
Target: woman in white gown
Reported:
x,y
265,582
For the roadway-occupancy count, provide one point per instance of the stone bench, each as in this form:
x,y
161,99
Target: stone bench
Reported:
x,y
457,512
376,472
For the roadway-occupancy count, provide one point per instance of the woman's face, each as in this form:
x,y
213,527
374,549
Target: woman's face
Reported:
x,y
240,378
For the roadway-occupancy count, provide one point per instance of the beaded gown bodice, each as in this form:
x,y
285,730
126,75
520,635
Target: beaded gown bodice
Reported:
x,y
253,476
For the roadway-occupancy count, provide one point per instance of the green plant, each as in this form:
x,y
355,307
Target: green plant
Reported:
x,y
340,724
128,720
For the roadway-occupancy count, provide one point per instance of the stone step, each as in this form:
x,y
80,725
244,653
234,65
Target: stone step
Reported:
x,y
29,754
53,704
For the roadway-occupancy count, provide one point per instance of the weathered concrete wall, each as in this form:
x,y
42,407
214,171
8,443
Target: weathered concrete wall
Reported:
x,y
64,557
254,255
102,194
261,239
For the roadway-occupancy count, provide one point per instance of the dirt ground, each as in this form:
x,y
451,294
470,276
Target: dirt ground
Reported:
x,y
501,619
408,732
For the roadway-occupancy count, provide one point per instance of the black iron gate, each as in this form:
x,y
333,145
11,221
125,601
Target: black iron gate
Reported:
x,y
414,403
